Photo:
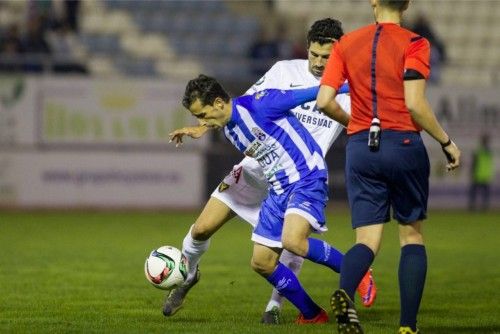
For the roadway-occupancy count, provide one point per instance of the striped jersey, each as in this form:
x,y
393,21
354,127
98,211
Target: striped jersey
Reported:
x,y
263,127
295,74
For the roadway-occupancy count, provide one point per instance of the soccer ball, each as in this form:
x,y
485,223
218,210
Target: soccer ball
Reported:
x,y
166,268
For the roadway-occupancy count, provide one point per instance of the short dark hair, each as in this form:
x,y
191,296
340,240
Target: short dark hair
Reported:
x,y
206,89
324,31
399,5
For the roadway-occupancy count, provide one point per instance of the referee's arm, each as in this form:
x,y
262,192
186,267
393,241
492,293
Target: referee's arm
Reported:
x,y
421,113
325,101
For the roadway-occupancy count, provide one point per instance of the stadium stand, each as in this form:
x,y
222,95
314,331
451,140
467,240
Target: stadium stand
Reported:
x,y
470,30
171,38
202,32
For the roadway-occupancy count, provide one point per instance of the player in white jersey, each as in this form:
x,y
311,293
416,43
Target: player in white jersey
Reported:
x,y
242,191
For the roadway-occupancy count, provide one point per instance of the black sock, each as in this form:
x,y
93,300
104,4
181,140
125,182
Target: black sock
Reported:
x,y
412,271
355,264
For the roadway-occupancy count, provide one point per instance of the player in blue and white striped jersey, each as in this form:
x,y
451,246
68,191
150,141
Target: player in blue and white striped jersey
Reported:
x,y
263,127
244,188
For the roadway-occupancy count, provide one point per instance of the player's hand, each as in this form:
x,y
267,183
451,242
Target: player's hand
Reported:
x,y
452,154
194,132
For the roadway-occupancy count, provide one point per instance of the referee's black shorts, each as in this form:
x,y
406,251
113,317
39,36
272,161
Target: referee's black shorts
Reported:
x,y
397,176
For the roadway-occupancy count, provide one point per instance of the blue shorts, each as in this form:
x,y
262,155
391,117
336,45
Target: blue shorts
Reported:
x,y
396,176
306,198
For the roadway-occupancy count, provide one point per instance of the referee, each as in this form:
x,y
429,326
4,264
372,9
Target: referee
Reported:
x,y
387,164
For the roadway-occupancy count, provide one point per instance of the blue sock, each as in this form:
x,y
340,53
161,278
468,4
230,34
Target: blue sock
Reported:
x,y
355,264
321,252
287,284
412,272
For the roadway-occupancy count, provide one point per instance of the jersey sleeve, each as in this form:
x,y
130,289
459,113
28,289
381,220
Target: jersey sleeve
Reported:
x,y
344,89
417,56
270,79
277,103
334,74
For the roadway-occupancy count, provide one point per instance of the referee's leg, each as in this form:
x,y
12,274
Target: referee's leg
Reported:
x,y
359,258
412,272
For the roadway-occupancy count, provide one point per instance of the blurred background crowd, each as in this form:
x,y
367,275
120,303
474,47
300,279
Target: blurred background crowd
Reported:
x,y
52,51
232,39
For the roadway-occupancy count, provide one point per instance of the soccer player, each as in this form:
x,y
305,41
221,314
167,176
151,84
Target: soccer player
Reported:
x,y
387,163
245,187
262,127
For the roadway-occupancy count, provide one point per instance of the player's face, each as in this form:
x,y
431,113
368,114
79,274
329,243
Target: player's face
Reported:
x,y
212,116
318,55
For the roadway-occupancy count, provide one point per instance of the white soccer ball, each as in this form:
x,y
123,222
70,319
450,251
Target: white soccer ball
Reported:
x,y
166,268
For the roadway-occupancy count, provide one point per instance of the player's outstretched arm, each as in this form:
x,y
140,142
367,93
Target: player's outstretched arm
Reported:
x,y
327,104
194,132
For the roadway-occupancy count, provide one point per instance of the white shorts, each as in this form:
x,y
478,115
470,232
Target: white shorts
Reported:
x,y
244,189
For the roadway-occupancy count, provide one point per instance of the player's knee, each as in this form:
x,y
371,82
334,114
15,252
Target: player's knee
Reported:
x,y
261,267
294,246
202,231
370,236
372,243
411,234
411,238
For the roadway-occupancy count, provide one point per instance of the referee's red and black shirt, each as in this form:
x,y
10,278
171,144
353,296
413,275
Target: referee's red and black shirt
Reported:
x,y
374,59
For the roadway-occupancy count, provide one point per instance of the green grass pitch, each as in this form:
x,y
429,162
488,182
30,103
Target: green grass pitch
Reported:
x,y
83,273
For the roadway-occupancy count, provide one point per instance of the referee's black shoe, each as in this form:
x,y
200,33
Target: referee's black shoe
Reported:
x,y
345,313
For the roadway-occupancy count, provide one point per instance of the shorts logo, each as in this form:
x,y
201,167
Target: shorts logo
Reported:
x,y
223,186
305,205
258,134
236,173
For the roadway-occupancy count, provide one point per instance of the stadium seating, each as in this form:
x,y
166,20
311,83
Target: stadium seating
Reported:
x,y
141,38
470,30
193,29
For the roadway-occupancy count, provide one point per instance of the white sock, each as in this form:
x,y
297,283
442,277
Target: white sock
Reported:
x,y
193,250
273,302
294,263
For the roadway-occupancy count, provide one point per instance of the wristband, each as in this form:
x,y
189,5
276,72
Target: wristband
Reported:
x,y
448,143
448,155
